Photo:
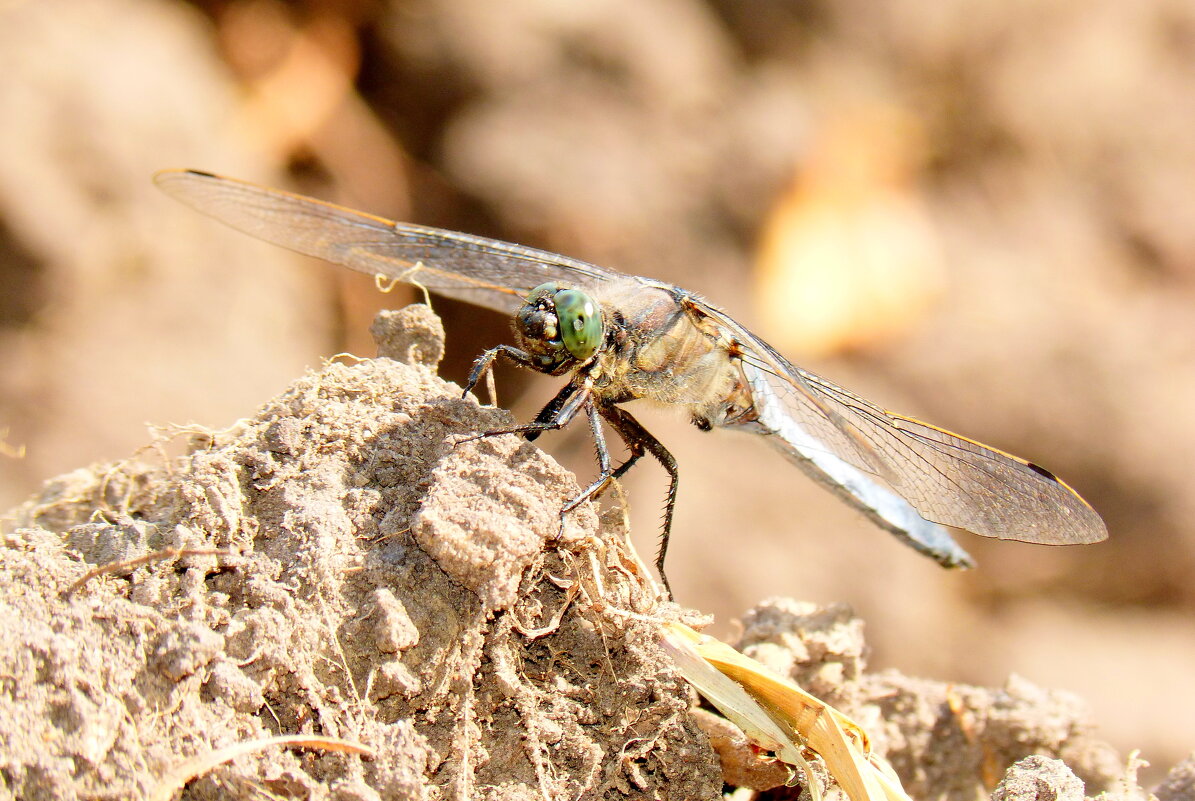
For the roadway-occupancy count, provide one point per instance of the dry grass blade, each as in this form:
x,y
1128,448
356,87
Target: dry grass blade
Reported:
x,y
771,710
129,565
176,779
732,700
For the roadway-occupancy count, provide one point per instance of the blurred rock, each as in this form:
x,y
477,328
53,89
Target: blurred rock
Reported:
x,y
1179,784
144,311
1038,778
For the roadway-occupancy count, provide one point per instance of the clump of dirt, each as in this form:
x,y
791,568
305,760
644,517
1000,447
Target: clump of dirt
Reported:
x,y
351,562
340,564
946,741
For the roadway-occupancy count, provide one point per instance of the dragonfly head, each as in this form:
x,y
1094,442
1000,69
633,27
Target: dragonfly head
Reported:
x,y
557,326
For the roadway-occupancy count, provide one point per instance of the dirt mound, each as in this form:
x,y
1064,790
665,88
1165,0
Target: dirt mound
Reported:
x,y
346,563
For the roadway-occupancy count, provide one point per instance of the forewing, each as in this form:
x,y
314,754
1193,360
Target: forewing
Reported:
x,y
485,272
947,478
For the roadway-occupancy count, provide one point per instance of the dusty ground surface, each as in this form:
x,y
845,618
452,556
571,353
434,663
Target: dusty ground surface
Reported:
x,y
341,564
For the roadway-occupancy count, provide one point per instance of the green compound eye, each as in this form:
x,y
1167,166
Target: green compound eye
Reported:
x,y
580,322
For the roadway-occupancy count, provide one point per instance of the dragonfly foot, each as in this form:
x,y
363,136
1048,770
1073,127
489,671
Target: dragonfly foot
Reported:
x,y
493,404
555,541
461,439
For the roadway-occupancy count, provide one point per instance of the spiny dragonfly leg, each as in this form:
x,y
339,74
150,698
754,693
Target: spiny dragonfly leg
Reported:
x,y
638,439
604,471
485,363
606,475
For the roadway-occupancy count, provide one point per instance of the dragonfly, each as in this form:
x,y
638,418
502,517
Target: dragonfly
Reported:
x,y
621,338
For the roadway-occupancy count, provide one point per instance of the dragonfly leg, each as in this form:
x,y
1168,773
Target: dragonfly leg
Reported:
x,y
639,440
556,415
603,481
485,363
552,409
605,474
604,471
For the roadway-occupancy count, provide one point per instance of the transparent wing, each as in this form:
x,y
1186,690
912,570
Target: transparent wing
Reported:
x,y
485,272
869,453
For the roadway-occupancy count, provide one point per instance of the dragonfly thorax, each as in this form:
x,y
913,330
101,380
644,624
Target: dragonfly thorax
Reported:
x,y
558,327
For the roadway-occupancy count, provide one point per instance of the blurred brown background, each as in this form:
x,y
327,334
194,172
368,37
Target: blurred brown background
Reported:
x,y
979,213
